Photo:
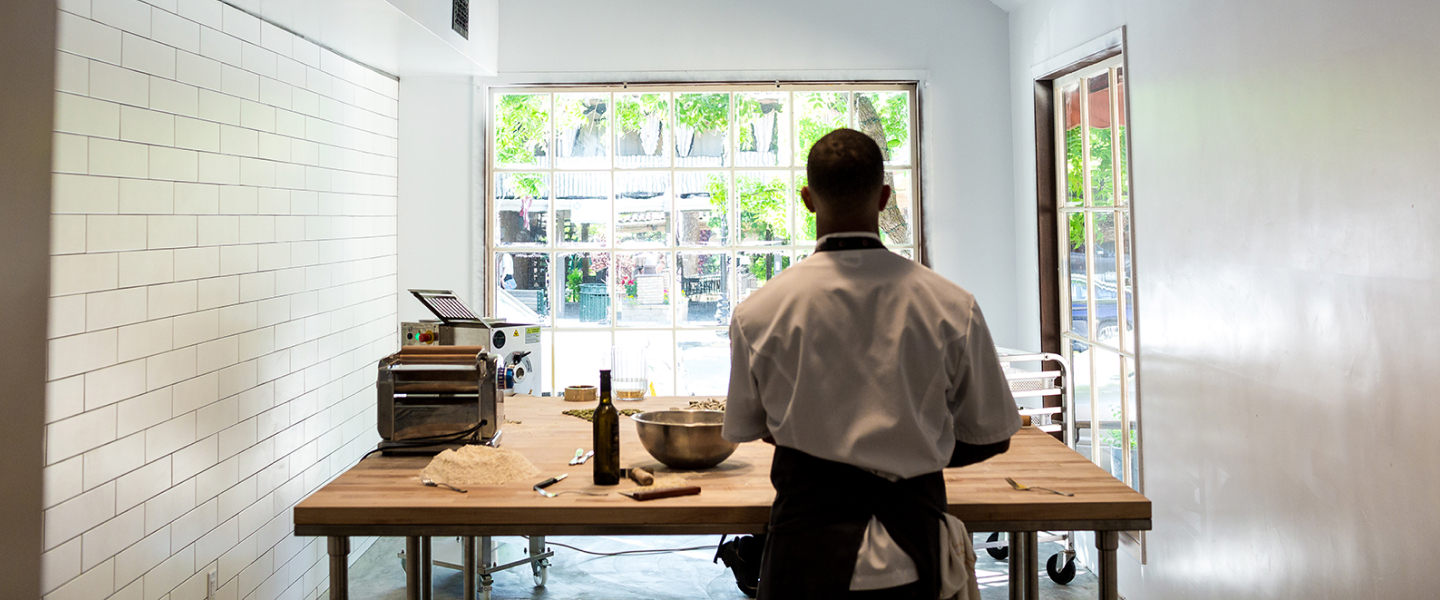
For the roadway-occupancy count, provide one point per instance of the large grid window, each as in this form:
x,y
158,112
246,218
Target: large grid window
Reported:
x,y
640,216
1096,285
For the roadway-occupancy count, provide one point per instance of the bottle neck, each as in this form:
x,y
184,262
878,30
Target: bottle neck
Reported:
x,y
605,386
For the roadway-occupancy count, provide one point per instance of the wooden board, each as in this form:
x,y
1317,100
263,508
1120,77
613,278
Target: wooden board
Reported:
x,y
384,496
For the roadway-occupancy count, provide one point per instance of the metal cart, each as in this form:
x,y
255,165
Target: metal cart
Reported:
x,y
1027,385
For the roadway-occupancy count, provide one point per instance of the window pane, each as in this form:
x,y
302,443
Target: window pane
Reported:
x,y
579,356
1122,169
642,135
1105,303
885,117
1131,395
584,291
702,130
764,207
522,281
582,131
522,205
642,289
757,268
642,209
1102,171
1077,291
804,219
1127,283
659,356
521,130
896,218
547,348
762,132
704,362
817,113
1074,154
704,288
1108,381
905,252
582,208
1078,355
703,208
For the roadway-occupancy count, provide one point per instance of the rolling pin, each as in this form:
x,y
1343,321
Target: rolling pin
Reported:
x,y
640,476
690,490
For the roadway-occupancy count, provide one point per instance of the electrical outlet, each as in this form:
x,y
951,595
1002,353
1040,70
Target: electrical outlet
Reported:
x,y
212,583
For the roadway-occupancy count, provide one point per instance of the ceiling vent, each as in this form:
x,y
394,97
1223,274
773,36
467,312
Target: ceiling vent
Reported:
x,y
460,17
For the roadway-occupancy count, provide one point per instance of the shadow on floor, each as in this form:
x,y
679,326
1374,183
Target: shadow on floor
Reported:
x,y
687,575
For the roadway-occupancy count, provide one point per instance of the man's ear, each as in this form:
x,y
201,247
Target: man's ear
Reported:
x,y
884,197
805,195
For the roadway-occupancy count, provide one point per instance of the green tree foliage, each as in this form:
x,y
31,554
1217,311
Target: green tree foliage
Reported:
x,y
1102,177
763,210
894,113
520,129
703,112
820,113
633,110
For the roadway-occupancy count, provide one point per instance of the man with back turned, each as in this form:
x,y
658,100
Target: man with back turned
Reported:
x,y
870,374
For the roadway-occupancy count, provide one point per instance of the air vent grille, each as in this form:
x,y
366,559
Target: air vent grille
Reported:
x,y
460,17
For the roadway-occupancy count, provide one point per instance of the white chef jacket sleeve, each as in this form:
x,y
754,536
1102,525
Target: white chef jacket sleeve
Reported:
x,y
744,413
983,408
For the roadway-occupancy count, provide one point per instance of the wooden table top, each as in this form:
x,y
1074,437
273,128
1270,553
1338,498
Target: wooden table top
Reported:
x,y
384,496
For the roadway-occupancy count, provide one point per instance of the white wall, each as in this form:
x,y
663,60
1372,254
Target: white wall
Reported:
x,y
221,285
1285,215
956,47
27,66
438,226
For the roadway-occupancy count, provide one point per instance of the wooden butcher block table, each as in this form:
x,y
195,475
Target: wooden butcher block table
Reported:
x,y
384,496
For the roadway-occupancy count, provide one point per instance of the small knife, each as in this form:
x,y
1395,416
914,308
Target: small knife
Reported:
x,y
551,481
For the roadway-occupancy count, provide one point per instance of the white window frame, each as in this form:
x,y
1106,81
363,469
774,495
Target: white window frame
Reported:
x,y
1132,474
796,249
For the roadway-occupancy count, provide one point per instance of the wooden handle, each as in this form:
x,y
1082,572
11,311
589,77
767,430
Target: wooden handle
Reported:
x,y
689,490
640,476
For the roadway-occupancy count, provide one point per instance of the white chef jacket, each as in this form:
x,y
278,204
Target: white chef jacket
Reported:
x,y
867,358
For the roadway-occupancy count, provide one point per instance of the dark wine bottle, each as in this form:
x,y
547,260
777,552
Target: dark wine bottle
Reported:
x,y
607,436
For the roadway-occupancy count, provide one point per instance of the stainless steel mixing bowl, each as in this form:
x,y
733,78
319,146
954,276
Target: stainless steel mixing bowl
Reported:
x,y
684,439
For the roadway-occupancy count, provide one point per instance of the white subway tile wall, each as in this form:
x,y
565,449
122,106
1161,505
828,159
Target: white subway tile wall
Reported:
x,y
223,267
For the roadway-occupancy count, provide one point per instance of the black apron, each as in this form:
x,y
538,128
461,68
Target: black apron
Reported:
x,y
819,519
822,509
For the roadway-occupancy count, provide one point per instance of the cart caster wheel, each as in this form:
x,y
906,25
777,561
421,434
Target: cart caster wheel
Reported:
x,y
1061,576
997,553
541,573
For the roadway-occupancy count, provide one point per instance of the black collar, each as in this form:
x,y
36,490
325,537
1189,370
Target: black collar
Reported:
x,y
858,242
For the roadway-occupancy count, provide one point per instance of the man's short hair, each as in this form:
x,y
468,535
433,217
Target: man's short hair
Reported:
x,y
845,169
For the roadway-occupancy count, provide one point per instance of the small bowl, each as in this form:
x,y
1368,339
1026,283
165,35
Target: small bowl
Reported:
x,y
684,439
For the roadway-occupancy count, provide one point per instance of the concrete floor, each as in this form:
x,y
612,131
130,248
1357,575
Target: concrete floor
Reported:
x,y
687,575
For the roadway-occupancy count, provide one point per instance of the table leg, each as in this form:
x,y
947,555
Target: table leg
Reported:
x,y
467,550
1018,579
1107,542
426,564
339,567
1032,565
412,568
